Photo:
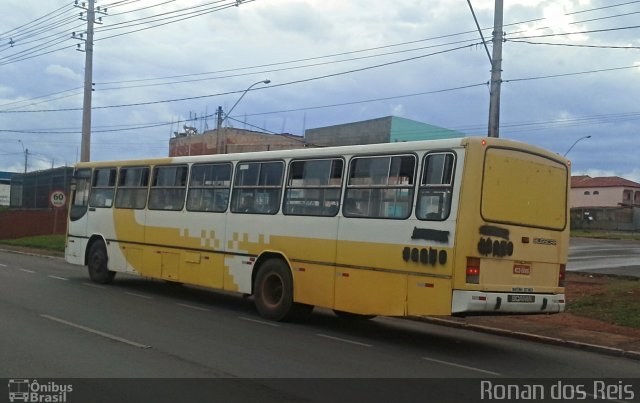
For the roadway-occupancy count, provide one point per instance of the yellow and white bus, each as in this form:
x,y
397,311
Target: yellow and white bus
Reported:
x,y
456,226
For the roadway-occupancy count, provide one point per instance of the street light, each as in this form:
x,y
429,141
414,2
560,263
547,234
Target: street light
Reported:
x,y
576,142
226,115
26,155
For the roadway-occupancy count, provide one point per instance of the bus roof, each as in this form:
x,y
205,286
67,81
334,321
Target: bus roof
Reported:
x,y
400,147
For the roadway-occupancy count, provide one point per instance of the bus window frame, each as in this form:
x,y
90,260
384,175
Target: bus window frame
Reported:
x,y
339,187
152,187
412,188
215,188
441,187
236,191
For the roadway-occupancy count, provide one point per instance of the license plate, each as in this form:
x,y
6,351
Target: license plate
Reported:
x,y
521,298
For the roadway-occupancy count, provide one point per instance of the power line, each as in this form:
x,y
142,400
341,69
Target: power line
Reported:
x,y
592,31
574,45
261,88
283,69
7,34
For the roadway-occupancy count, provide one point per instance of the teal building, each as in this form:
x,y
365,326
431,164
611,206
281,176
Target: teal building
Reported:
x,y
389,129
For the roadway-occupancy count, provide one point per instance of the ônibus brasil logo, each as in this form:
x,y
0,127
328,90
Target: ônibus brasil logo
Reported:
x,y
25,390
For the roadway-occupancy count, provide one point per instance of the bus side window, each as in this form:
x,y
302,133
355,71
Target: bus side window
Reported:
x,y
80,185
209,187
257,187
168,187
132,190
380,187
436,186
313,187
103,187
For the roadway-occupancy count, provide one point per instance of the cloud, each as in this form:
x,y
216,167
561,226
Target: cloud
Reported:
x,y
63,72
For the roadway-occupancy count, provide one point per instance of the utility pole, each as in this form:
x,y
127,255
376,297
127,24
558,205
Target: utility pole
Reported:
x,y
496,71
85,152
85,149
218,127
26,159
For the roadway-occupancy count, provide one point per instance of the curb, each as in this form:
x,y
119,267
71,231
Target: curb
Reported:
x,y
634,355
22,252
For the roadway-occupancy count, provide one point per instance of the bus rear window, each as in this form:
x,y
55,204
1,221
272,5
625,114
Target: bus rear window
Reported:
x,y
524,189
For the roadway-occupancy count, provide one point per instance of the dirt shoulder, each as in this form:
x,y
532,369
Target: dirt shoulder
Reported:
x,y
574,327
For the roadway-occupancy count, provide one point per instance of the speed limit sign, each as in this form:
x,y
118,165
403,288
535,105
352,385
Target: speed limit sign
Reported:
x,y
58,198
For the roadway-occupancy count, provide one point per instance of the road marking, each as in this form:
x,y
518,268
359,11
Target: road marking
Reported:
x,y
26,270
326,336
97,332
194,307
484,371
133,294
259,321
95,286
3,265
59,278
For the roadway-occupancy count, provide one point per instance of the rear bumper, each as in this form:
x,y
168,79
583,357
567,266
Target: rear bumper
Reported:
x,y
474,302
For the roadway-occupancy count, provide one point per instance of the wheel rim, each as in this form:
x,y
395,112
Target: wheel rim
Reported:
x,y
272,290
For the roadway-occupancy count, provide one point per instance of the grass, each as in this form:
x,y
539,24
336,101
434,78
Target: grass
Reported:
x,y
606,234
617,301
48,242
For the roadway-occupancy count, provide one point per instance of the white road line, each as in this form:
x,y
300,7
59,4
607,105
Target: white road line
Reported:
x,y
95,286
259,321
59,278
26,270
3,265
133,294
194,307
326,336
97,332
484,371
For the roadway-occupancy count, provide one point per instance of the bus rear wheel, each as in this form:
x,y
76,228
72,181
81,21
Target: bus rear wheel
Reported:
x,y
273,291
98,264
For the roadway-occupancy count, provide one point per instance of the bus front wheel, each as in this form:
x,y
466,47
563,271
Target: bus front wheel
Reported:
x,y
273,290
98,264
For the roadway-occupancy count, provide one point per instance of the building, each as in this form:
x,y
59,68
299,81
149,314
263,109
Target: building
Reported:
x,y
230,140
605,203
389,129
606,191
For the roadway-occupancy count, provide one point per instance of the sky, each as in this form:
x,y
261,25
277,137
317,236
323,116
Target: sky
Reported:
x,y
571,69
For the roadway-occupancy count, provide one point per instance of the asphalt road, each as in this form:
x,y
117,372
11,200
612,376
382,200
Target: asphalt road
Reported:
x,y
57,324
604,256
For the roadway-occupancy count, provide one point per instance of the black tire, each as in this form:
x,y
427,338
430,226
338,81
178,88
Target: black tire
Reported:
x,y
99,264
352,316
273,291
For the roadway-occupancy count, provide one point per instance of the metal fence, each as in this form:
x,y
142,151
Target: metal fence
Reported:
x,y
32,190
606,218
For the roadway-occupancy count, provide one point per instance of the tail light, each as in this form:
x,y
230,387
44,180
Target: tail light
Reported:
x,y
561,275
473,270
